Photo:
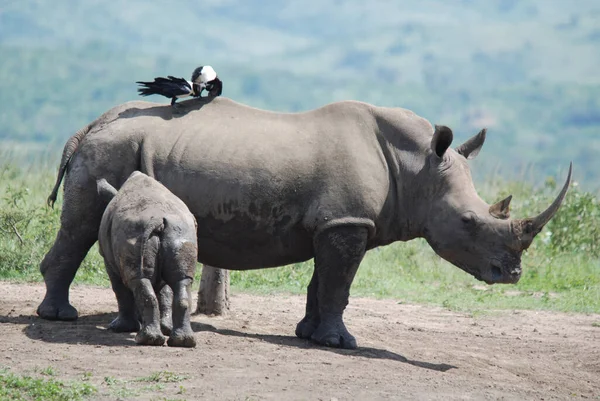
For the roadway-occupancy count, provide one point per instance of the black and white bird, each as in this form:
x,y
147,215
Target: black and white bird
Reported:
x,y
170,87
206,78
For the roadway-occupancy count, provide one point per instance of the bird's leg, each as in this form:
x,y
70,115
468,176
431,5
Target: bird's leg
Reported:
x,y
176,107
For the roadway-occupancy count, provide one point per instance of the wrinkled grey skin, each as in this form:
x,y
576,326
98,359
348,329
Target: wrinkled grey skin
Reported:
x,y
269,189
147,237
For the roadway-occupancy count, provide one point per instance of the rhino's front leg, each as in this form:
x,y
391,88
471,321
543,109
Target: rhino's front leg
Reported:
x,y
338,253
311,320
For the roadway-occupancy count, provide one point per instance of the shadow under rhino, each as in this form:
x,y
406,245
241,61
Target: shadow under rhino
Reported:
x,y
295,342
91,330
88,329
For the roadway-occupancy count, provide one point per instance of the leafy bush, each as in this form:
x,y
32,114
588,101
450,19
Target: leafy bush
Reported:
x,y
576,227
28,227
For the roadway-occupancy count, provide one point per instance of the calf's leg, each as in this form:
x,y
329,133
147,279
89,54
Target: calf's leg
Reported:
x,y
147,304
165,303
127,321
182,335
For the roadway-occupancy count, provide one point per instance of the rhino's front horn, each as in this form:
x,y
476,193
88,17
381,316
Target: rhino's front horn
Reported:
x,y
531,227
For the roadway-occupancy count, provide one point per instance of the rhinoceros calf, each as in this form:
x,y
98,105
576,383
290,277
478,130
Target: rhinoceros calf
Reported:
x,y
270,189
147,237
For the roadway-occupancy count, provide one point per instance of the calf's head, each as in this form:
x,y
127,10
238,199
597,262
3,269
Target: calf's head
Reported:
x,y
479,238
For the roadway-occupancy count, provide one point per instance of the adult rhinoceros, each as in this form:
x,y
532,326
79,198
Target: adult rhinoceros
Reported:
x,y
269,189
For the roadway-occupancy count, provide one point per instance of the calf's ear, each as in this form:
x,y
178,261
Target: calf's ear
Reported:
x,y
105,190
472,146
442,139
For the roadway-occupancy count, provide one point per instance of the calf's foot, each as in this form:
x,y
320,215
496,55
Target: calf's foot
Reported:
x,y
147,336
182,338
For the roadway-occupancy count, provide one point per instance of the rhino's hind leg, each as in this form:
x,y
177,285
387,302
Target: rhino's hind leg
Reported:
x,y
79,223
147,304
182,335
59,267
311,320
338,253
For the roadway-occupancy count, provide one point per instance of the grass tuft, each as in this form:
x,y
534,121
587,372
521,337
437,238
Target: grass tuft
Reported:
x,y
15,387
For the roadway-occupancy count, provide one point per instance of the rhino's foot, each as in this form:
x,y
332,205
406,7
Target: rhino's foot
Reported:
x,y
182,338
333,333
54,310
147,336
166,327
124,325
307,326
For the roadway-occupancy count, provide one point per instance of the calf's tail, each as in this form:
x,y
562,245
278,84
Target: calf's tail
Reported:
x,y
155,227
69,149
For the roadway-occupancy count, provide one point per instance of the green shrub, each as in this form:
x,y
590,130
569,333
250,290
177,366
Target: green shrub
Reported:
x,y
576,226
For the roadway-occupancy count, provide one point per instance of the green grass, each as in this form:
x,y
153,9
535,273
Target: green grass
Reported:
x,y
561,270
153,383
163,377
17,387
411,272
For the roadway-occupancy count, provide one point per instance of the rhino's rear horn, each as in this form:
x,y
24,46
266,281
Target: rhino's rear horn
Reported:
x,y
470,149
501,210
532,226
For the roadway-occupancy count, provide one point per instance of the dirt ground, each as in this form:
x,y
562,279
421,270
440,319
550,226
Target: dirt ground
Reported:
x,y
405,352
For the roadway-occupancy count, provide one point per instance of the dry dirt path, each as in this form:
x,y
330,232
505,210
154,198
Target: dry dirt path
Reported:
x,y
405,352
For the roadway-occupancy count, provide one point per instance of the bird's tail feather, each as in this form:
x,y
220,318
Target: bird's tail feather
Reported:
x,y
168,87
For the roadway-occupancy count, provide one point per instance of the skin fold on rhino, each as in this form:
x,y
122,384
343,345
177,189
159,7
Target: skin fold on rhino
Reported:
x,y
147,238
269,189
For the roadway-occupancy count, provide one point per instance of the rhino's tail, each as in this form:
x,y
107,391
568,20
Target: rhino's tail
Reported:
x,y
69,149
155,227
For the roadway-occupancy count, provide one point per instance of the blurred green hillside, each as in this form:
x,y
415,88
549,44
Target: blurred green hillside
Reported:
x,y
528,70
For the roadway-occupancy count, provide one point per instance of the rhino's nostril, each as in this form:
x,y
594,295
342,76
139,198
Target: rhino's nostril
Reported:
x,y
496,269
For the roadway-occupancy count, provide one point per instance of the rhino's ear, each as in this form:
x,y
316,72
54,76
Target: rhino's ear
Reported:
x,y
472,146
442,139
105,190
